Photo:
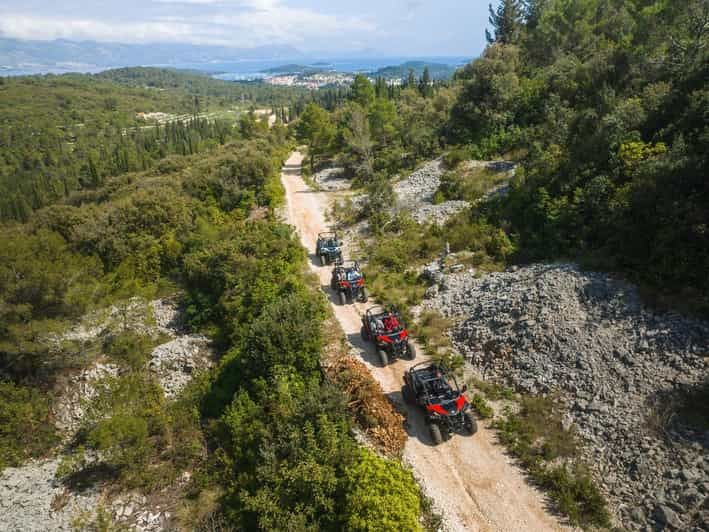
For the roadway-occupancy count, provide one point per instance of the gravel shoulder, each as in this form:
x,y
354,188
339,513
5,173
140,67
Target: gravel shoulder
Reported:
x,y
471,480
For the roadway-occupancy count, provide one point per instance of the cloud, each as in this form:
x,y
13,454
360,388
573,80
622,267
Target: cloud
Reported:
x,y
246,23
29,27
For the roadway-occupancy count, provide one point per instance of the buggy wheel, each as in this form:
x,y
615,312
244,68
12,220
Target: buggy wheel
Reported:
x,y
411,350
407,394
363,333
343,297
323,260
364,295
470,423
435,434
383,358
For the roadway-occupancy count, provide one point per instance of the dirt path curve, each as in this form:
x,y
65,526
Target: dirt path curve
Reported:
x,y
470,479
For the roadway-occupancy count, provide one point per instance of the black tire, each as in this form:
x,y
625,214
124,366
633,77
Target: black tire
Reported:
x,y
407,394
470,422
435,434
383,358
343,297
364,296
411,348
363,333
323,260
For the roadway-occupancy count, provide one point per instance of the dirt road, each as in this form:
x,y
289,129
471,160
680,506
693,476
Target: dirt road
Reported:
x,y
471,480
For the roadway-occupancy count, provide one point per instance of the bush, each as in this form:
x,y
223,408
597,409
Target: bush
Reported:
x,y
25,427
480,405
129,349
537,438
380,495
576,494
456,156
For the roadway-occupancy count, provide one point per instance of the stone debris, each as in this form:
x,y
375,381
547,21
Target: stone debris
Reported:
x,y
31,500
415,194
69,406
547,328
332,179
176,361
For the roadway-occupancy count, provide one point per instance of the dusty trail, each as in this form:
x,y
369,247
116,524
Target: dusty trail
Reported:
x,y
470,478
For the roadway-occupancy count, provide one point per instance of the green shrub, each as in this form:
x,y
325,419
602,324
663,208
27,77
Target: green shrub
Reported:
x,y
380,496
480,405
577,495
129,349
25,427
456,156
537,438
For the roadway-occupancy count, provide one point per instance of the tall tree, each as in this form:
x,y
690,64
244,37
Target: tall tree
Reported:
x,y
506,22
411,80
425,84
316,129
362,90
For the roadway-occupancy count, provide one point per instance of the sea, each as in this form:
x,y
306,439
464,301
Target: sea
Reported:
x,y
245,70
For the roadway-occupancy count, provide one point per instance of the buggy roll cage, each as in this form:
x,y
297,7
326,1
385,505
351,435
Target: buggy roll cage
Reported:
x,y
445,374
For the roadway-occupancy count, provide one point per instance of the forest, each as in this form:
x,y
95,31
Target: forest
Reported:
x,y
70,132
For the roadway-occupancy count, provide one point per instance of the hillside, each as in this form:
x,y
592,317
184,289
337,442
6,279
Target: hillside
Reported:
x,y
437,71
65,133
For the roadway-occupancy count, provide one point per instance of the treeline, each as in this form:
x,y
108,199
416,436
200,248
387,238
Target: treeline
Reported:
x,y
332,97
202,85
65,133
373,132
605,103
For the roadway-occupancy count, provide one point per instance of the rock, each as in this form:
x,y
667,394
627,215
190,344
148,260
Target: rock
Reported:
x,y
28,496
175,361
415,195
665,517
553,327
332,179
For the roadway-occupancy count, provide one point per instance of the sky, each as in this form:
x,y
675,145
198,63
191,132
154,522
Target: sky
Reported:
x,y
387,27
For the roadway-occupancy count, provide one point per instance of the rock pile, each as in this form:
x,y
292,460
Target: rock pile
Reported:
x,y
332,179
31,500
78,389
415,194
555,328
176,361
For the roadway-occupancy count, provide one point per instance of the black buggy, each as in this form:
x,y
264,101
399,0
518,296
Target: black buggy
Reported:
x,y
348,281
387,330
328,248
434,388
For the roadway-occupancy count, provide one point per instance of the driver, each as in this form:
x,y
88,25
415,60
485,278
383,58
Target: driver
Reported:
x,y
391,323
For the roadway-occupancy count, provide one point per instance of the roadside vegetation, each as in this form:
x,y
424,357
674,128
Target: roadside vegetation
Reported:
x,y
534,434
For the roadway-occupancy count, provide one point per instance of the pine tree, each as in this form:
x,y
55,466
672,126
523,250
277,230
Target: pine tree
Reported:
x,y
506,21
411,81
425,84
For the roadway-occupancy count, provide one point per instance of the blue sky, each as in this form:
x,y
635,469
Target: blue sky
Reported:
x,y
390,27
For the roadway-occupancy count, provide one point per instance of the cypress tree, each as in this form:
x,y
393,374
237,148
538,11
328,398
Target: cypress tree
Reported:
x,y
506,22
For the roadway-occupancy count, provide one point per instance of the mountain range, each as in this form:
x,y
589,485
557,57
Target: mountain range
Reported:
x,y
63,54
